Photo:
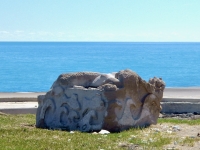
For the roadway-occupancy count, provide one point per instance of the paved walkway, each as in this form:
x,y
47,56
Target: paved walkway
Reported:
x,y
192,93
19,103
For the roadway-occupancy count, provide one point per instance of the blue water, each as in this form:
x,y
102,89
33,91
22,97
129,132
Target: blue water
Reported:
x,y
34,66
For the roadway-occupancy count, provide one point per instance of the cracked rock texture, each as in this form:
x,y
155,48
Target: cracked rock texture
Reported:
x,y
89,101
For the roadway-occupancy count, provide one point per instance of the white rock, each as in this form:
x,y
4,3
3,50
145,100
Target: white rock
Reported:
x,y
71,132
168,131
104,132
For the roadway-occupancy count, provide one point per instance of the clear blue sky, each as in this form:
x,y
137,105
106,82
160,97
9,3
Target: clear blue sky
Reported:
x,y
100,20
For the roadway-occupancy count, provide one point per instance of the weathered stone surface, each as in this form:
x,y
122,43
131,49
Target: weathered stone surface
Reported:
x,y
89,101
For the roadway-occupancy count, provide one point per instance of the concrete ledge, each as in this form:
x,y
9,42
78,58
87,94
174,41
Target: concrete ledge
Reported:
x,y
18,107
19,111
20,97
165,100
180,107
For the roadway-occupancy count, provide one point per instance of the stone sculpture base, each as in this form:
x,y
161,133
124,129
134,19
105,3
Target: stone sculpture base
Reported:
x,y
88,101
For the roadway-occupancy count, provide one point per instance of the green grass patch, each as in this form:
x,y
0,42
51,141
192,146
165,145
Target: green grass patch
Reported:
x,y
18,132
179,121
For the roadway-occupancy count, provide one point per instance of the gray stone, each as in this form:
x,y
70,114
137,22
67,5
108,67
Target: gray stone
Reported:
x,y
176,128
88,101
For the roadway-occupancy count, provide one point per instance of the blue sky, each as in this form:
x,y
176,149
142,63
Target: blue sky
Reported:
x,y
100,20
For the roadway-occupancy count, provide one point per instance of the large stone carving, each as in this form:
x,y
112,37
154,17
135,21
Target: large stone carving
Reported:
x,y
88,101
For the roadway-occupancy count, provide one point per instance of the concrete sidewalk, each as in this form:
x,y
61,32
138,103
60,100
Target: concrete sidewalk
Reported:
x,y
20,96
175,100
181,93
19,103
181,100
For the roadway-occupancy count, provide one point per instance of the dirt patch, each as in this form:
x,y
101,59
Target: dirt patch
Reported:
x,y
185,137
28,125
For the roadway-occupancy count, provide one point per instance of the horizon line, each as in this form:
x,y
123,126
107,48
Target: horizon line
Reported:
x,y
111,41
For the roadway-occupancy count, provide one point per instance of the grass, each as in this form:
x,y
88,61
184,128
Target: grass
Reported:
x,y
189,141
18,132
179,121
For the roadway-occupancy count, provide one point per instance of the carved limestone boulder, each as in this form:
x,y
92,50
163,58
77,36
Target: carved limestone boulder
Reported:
x,y
89,101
